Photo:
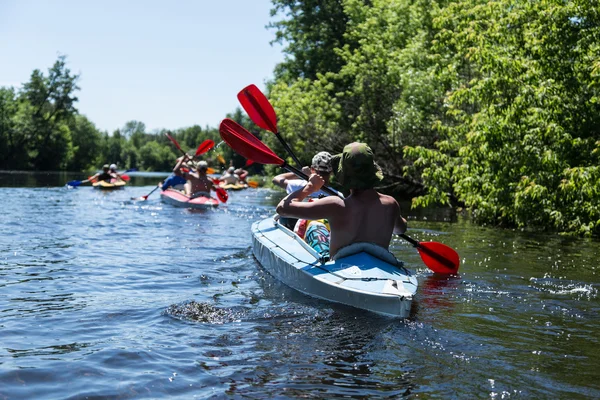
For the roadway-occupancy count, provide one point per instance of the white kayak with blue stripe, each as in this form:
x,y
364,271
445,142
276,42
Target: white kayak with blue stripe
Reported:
x,y
362,275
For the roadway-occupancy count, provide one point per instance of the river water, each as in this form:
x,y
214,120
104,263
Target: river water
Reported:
x,y
105,297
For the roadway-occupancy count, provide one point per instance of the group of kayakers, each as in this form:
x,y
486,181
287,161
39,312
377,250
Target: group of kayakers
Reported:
x,y
191,177
326,222
330,222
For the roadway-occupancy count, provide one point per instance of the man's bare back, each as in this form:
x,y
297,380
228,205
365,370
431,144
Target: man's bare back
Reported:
x,y
364,216
197,183
367,216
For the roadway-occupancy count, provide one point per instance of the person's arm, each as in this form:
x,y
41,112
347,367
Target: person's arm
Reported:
x,y
177,169
400,225
281,179
293,206
91,178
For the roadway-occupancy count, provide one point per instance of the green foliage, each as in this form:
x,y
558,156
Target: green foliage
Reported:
x,y
489,104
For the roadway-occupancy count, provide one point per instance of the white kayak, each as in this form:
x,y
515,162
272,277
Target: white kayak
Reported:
x,y
363,275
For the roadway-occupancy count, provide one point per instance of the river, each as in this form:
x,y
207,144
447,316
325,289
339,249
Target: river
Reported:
x,y
105,297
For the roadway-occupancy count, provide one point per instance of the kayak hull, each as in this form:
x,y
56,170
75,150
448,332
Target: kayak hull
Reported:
x,y
178,199
359,280
103,185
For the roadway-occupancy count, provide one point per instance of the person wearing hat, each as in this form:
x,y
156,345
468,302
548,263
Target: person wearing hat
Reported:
x,y
366,216
113,172
105,175
230,177
321,165
174,181
198,184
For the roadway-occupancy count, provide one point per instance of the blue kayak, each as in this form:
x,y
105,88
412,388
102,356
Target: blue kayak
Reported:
x,y
362,275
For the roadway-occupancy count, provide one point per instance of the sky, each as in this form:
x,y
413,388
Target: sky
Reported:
x,y
169,64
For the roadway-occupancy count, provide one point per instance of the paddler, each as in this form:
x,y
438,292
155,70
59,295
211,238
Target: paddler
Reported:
x,y
366,216
113,172
230,177
198,184
175,181
105,175
321,165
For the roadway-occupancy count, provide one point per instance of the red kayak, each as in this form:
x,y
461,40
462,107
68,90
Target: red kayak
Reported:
x,y
178,199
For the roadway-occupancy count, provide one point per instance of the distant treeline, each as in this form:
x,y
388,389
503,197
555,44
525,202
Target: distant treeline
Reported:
x,y
41,129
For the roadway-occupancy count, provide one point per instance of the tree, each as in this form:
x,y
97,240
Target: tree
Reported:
x,y
87,141
51,108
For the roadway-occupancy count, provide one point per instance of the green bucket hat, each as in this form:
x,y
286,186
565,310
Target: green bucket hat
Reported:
x,y
355,168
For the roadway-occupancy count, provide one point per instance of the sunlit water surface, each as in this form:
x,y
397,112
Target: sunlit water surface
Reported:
x,y
105,297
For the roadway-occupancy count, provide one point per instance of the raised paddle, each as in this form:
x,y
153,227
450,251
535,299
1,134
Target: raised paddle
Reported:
x,y
261,112
438,257
203,148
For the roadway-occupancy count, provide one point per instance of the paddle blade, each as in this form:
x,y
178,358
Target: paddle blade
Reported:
x,y
438,257
246,144
221,193
204,147
253,184
259,109
220,159
249,163
210,170
74,183
174,141
126,178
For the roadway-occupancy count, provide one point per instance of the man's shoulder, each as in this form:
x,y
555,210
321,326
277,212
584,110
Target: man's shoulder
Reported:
x,y
387,199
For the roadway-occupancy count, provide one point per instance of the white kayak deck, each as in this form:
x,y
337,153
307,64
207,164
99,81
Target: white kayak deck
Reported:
x,y
360,280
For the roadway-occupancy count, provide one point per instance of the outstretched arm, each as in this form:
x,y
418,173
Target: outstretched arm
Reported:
x,y
293,206
177,169
281,180
91,178
400,225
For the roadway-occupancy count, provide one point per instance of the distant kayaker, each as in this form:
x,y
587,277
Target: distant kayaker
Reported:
x,y
105,175
230,177
113,172
364,216
198,184
175,181
242,174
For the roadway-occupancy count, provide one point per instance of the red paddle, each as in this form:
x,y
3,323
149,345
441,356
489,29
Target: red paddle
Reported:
x,y
438,257
261,112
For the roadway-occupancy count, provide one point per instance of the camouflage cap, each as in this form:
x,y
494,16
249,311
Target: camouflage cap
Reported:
x,y
322,162
355,167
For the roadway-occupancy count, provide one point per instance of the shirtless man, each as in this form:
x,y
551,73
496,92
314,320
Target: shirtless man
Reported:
x,y
198,184
364,216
